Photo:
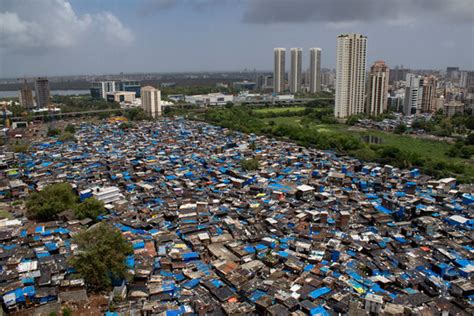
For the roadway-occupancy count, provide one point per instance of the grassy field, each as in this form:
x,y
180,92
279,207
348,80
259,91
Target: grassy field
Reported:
x,y
429,155
427,149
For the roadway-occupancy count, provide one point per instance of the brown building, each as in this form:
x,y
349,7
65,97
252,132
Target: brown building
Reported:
x,y
378,88
429,93
26,96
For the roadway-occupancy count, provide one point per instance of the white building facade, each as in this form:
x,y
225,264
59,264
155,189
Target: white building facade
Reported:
x,y
279,70
151,101
296,70
350,75
314,70
413,94
209,99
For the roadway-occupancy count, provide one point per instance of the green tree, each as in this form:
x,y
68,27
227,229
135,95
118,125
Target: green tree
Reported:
x,y
67,137
70,128
136,114
52,200
53,132
249,164
470,122
125,125
101,256
354,119
67,311
400,129
470,139
90,208
466,152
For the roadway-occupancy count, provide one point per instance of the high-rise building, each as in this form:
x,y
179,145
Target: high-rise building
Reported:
x,y
378,88
413,94
463,79
350,74
151,101
328,78
26,96
130,86
429,93
279,70
42,93
314,70
100,89
398,74
469,88
296,70
452,72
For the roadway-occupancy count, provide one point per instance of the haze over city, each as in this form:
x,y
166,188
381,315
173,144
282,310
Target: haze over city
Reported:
x,y
60,37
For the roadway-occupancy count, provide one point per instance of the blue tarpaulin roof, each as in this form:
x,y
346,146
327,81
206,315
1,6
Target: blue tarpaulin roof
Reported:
x,y
383,209
319,292
318,311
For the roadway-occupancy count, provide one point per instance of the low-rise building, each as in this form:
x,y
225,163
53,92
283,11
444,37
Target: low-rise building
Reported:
x,y
121,96
209,99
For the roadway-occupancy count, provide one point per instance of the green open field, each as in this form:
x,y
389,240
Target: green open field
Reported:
x,y
427,149
429,155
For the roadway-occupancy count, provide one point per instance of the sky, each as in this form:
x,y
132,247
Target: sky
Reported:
x,y
80,37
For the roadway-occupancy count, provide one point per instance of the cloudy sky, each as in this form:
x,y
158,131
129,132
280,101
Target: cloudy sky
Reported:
x,y
62,37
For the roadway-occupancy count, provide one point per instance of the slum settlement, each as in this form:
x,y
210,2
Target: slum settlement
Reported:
x,y
305,232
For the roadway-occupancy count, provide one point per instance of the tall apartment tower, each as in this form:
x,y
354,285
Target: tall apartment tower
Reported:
x,y
413,94
463,79
42,92
296,70
350,74
378,88
469,87
314,70
429,93
26,96
279,70
151,101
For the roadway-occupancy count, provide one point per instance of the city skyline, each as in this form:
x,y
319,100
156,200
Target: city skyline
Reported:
x,y
59,37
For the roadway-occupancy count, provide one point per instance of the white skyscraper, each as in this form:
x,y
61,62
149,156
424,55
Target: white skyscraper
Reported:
x,y
350,74
279,70
296,70
151,101
413,94
314,70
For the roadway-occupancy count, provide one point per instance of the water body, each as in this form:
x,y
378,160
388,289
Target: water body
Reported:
x,y
371,139
14,94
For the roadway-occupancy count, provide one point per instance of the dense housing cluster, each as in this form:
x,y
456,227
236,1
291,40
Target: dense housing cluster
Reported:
x,y
304,232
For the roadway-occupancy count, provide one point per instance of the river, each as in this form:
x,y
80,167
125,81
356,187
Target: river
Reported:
x,y
9,94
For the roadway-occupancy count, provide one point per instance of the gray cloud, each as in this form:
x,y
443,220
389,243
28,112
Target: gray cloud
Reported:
x,y
349,11
149,7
